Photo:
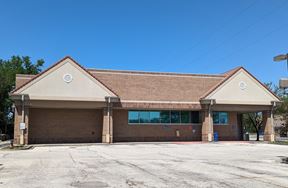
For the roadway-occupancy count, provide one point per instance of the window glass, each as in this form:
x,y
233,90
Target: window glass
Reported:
x,y
215,117
175,116
195,117
223,117
155,117
144,117
185,117
165,116
133,117
220,117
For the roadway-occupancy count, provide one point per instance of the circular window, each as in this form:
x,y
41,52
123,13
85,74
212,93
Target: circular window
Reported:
x,y
67,78
242,85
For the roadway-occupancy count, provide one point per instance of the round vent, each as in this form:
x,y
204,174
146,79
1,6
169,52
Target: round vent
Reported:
x,y
67,78
242,85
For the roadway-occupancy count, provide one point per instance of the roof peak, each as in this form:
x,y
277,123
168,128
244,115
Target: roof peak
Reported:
x,y
231,71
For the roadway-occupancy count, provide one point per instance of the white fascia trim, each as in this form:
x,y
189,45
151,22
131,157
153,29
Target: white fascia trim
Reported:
x,y
243,102
60,98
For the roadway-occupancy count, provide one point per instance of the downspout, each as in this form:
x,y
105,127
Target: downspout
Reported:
x,y
109,122
23,115
210,119
22,120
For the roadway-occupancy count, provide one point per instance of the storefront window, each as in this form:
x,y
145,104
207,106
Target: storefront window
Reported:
x,y
164,117
155,116
195,117
133,117
185,117
220,118
144,117
175,116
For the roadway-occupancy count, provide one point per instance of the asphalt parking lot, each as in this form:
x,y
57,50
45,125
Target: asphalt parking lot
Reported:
x,y
146,165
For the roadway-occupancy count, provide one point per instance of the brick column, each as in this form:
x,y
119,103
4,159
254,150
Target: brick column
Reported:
x,y
207,126
268,126
26,119
17,121
107,133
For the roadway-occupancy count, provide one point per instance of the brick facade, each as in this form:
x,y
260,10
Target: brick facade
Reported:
x,y
231,131
65,126
63,115
135,132
80,125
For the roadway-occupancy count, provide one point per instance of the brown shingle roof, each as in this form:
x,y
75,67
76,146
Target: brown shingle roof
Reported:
x,y
151,86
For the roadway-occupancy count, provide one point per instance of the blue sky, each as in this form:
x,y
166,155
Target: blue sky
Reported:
x,y
187,36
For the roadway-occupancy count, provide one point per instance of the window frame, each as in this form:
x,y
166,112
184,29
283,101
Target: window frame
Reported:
x,y
219,118
161,123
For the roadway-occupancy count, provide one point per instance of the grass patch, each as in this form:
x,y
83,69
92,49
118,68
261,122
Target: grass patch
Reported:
x,y
280,142
17,148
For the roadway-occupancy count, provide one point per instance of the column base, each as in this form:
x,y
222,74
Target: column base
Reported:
x,y
207,137
269,137
106,138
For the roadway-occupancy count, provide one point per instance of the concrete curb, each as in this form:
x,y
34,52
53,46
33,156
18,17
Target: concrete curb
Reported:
x,y
139,143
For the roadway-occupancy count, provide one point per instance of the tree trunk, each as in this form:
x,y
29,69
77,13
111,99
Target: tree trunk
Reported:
x,y
257,132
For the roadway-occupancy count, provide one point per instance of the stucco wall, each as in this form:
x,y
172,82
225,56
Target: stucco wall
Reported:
x,y
51,86
252,91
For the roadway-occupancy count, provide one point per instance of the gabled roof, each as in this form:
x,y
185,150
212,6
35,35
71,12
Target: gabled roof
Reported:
x,y
231,74
227,75
139,86
26,84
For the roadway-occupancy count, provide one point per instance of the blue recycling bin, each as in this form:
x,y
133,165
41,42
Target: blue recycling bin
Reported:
x,y
216,137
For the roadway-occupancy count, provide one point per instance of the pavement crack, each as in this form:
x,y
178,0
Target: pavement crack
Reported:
x,y
71,158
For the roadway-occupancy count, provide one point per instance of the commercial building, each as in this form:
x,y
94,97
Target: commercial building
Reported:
x,y
68,104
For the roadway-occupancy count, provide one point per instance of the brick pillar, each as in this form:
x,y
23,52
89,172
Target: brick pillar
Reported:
x,y
207,126
107,133
26,132
268,126
17,121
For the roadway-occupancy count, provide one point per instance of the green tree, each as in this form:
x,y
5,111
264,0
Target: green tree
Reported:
x,y
282,109
8,70
282,112
253,121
